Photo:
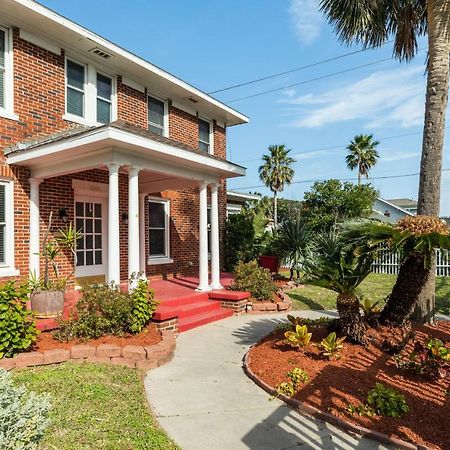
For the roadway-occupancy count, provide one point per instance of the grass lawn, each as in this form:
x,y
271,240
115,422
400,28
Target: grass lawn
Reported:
x,y
376,287
95,406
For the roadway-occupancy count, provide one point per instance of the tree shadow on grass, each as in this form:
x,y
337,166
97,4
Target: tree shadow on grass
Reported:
x,y
309,302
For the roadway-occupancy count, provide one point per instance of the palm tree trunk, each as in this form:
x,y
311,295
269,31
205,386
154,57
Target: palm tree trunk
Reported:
x,y
359,177
412,277
438,12
275,209
350,320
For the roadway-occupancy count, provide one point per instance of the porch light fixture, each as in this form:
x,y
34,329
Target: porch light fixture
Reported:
x,y
125,218
62,214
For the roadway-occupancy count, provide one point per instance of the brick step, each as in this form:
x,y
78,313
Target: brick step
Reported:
x,y
185,299
188,323
223,294
191,309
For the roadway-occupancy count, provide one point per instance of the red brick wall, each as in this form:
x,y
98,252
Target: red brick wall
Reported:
x,y
131,105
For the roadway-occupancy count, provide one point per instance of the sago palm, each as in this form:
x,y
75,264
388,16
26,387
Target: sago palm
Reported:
x,y
373,23
362,154
276,171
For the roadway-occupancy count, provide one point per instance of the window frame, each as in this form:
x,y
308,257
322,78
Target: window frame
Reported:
x,y
8,267
7,111
163,258
90,93
85,86
166,114
211,134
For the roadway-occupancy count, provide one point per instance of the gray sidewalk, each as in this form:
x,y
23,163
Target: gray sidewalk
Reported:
x,y
204,401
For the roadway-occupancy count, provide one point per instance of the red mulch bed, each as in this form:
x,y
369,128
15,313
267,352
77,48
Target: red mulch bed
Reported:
x,y
148,336
335,384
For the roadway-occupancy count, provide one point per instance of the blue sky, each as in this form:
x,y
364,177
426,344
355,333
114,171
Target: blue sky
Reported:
x,y
215,44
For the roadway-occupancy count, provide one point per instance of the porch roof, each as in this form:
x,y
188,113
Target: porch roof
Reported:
x,y
81,148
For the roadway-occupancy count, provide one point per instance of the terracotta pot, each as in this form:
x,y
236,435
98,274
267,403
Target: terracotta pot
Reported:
x,y
47,303
269,262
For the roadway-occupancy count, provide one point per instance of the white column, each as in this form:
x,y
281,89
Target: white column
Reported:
x,y
113,225
133,222
142,255
215,252
34,226
203,238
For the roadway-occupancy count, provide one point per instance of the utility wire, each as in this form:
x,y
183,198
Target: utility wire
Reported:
x,y
297,69
342,179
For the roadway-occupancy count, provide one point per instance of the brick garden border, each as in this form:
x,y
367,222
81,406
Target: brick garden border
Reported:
x,y
326,417
145,358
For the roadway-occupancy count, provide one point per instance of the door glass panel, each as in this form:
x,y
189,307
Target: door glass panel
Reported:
x,y
157,242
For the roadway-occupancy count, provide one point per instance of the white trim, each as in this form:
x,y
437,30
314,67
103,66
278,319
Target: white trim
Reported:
x,y
166,114
132,84
133,59
8,109
156,259
8,267
40,42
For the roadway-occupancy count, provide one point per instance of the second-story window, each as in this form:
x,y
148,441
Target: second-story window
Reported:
x,y
2,67
156,113
104,98
76,74
204,135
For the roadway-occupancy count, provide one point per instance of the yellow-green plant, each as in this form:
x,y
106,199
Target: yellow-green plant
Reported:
x,y
331,346
289,388
298,338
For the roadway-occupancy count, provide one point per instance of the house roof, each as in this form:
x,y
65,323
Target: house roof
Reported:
x,y
36,18
241,197
392,205
403,202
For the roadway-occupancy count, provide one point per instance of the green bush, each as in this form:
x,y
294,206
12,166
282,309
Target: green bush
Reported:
x,y
386,401
106,310
239,240
17,327
23,415
250,277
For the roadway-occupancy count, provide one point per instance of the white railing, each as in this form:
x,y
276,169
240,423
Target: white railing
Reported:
x,y
389,262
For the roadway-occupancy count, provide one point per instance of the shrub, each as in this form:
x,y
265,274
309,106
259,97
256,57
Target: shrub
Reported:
x,y
106,310
386,401
17,328
250,277
331,346
23,415
289,388
239,240
298,338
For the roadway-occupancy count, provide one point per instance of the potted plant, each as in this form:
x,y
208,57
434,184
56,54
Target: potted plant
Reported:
x,y
47,294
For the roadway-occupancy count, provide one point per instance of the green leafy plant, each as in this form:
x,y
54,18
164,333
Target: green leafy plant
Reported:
x,y
361,410
370,309
297,376
299,338
331,346
144,305
386,401
312,323
18,330
239,240
250,277
24,416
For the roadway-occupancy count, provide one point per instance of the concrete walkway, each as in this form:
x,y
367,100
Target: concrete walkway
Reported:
x,y
204,401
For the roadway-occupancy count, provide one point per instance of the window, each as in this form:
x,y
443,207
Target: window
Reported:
x,y
2,67
6,76
75,88
104,98
6,229
158,211
204,135
156,116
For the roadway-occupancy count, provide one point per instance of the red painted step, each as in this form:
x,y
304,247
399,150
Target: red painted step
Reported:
x,y
187,323
185,299
223,294
190,309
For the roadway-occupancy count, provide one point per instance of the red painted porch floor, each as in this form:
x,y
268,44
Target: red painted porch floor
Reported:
x,y
177,297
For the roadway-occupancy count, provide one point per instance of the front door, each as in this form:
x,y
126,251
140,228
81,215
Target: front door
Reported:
x,y
90,220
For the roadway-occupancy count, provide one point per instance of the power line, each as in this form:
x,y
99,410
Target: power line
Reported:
x,y
296,69
342,179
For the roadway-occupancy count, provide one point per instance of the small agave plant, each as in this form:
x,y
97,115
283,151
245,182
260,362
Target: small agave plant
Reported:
x,y
299,338
331,346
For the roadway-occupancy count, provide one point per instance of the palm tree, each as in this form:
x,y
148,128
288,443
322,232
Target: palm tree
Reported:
x,y
373,23
276,171
362,154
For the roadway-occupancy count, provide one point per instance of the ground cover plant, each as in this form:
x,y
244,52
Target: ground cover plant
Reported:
x,y
95,407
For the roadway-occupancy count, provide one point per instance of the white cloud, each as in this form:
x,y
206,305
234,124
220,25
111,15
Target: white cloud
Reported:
x,y
400,156
307,19
384,97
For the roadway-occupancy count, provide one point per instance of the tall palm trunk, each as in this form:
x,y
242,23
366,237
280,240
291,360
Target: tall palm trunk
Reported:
x,y
359,176
350,320
434,129
411,278
275,208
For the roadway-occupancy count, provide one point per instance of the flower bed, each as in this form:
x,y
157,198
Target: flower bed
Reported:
x,y
334,385
146,350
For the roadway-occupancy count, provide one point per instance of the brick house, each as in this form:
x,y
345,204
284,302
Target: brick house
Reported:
x,y
132,155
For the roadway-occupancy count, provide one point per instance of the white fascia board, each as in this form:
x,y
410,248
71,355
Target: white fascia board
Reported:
x,y
40,42
48,13
238,195
133,84
382,200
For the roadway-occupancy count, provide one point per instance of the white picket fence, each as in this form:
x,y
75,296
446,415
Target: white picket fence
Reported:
x,y
389,262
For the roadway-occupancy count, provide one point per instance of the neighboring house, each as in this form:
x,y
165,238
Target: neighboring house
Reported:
x,y
102,138
237,200
405,203
386,211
